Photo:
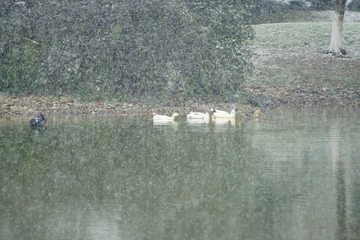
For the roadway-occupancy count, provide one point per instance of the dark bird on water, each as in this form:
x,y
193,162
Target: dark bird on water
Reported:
x,y
40,121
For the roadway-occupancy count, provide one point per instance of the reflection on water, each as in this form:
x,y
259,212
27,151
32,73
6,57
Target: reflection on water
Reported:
x,y
293,176
160,123
224,124
197,122
198,125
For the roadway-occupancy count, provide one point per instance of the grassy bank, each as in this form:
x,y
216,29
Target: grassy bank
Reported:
x,y
293,53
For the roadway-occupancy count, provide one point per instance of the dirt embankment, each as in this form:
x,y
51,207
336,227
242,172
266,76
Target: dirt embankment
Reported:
x,y
299,96
258,97
67,105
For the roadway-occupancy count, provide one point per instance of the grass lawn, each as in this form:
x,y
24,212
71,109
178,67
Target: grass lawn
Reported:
x,y
293,53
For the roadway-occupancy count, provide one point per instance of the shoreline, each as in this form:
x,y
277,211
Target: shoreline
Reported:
x,y
277,96
68,105
258,97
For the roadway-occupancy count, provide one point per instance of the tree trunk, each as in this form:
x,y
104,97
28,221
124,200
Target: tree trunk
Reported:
x,y
336,31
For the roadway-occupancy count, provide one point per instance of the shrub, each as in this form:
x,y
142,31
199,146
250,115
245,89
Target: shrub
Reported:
x,y
100,49
354,5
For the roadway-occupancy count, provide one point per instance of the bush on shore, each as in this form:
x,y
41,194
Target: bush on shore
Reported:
x,y
103,49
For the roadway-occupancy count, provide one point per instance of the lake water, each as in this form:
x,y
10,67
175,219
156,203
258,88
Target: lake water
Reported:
x,y
294,175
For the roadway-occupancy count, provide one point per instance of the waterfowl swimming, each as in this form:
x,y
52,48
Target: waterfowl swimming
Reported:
x,y
40,121
222,114
198,115
164,117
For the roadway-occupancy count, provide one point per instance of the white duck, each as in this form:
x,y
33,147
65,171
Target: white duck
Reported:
x,y
164,117
198,115
222,114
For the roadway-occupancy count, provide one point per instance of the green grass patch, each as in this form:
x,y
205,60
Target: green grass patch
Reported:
x,y
293,54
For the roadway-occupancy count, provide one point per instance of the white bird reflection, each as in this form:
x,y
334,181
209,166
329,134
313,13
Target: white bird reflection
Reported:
x,y
222,121
223,124
197,121
198,125
161,123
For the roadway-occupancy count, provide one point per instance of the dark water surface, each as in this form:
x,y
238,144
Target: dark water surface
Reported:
x,y
295,175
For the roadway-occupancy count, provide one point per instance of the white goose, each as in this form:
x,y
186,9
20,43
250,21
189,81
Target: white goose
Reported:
x,y
164,117
222,114
198,115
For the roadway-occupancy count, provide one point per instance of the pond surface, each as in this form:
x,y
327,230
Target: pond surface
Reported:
x,y
295,175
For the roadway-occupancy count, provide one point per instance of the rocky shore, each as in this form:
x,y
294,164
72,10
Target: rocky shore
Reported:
x,y
68,105
258,97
